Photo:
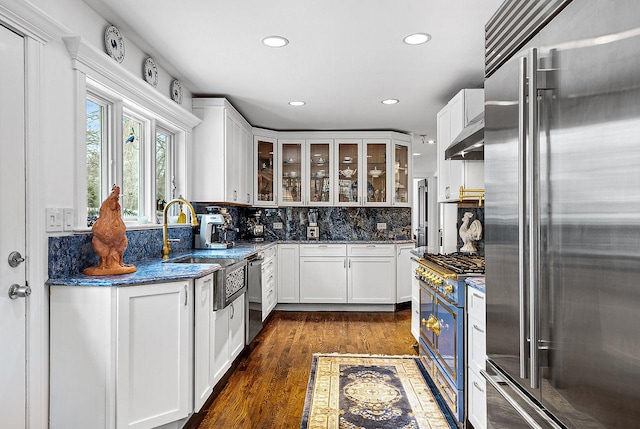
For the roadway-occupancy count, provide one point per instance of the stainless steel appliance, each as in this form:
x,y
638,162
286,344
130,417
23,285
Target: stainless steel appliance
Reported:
x,y
255,229
442,312
427,214
228,283
562,178
254,297
213,229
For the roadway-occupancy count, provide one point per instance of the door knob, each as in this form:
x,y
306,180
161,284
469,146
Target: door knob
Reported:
x,y
15,259
17,291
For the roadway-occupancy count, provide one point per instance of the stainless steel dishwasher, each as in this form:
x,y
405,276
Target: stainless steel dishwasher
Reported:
x,y
254,297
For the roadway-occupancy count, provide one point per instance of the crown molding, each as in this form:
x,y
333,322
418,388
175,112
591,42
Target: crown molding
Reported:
x,y
31,21
98,66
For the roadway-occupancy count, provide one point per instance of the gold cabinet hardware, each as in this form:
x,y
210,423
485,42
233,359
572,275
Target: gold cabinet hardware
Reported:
x,y
432,324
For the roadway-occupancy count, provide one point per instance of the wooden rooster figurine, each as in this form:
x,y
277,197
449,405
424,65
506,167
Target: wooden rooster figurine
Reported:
x,y
469,233
110,239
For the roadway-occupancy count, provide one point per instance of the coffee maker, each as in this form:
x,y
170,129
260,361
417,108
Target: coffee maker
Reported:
x,y
214,226
255,229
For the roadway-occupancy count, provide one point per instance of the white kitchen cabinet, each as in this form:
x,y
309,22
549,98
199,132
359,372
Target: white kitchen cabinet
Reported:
x,y
220,154
476,357
269,288
378,172
228,337
203,341
404,275
154,329
318,172
401,166
291,186
107,347
323,279
265,171
288,265
371,273
348,172
451,120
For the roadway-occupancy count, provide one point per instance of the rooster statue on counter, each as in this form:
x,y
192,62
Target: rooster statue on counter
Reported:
x,y
110,239
469,233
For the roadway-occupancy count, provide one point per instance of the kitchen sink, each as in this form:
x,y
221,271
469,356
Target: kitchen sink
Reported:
x,y
225,262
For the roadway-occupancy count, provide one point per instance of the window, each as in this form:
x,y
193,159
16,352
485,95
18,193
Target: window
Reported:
x,y
141,165
96,137
165,185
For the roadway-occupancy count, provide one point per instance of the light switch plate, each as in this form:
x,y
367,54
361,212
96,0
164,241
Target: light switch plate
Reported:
x,y
68,219
53,219
381,226
277,225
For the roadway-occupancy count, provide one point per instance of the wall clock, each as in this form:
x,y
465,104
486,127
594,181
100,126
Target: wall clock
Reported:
x,y
150,72
114,43
176,91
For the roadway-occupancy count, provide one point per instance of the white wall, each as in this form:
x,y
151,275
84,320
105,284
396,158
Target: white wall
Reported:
x,y
51,164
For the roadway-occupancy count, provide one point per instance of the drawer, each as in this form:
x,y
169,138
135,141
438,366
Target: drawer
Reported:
x,y
477,408
476,304
323,250
269,253
268,264
477,344
449,394
371,250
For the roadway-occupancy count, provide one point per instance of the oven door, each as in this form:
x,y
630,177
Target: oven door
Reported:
x,y
427,316
449,332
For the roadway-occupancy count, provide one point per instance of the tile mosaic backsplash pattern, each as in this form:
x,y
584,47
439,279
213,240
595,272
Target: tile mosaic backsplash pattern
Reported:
x,y
69,255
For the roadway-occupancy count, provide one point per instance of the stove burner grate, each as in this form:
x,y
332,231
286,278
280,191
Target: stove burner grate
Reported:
x,y
458,263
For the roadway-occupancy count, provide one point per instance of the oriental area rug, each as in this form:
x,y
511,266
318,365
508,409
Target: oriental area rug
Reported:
x,y
371,392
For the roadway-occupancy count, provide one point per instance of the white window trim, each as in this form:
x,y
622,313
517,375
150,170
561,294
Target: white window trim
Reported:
x,y
97,73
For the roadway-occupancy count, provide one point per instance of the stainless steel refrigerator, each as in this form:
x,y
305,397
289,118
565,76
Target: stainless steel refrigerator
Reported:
x,y
562,217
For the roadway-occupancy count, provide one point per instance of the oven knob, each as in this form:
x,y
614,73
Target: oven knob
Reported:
x,y
448,288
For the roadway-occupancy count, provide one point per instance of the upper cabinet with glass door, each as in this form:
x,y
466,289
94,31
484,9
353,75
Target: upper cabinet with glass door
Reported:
x,y
348,156
401,173
318,169
291,190
264,166
377,162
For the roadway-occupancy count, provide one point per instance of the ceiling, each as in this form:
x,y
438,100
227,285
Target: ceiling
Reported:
x,y
343,59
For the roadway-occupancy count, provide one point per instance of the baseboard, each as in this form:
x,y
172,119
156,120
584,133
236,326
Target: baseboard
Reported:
x,y
336,307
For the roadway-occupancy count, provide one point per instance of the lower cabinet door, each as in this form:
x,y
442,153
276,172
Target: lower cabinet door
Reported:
x,y
203,341
220,358
236,327
323,280
153,348
372,280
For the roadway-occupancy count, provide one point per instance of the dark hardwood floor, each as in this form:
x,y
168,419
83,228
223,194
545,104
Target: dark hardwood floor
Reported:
x,y
268,388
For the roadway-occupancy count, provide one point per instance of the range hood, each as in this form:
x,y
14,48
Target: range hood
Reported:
x,y
469,144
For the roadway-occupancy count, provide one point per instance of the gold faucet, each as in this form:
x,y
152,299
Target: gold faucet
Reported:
x,y
166,242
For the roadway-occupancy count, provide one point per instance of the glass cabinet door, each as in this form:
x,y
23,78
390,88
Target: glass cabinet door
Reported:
x,y
291,157
320,162
348,163
401,174
265,185
377,157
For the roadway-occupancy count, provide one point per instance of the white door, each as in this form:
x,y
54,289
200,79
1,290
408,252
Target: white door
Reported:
x,y
12,231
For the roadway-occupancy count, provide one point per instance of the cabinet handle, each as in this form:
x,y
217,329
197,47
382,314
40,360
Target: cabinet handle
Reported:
x,y
248,198
233,311
323,245
371,245
186,294
478,296
235,195
349,263
477,386
477,328
344,264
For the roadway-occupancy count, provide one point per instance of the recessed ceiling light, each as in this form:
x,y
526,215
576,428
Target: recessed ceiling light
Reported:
x,y
275,41
417,39
431,141
416,153
390,101
297,103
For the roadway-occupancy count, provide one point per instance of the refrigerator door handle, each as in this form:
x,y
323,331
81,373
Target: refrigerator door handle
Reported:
x,y
522,211
534,214
495,384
